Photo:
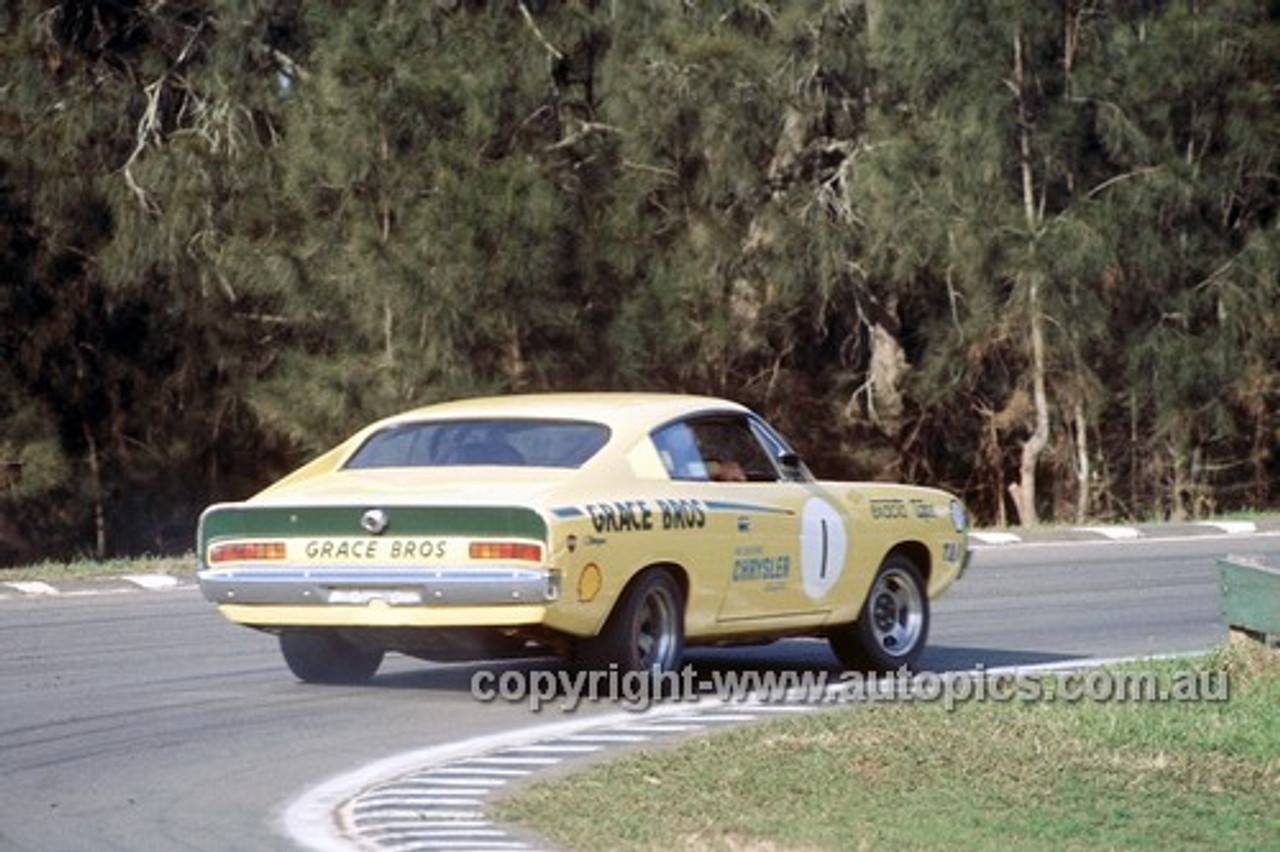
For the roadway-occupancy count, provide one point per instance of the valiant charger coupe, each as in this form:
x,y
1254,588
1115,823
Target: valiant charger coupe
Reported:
x,y
610,529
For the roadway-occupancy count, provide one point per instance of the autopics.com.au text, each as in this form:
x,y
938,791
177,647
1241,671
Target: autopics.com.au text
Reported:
x,y
567,689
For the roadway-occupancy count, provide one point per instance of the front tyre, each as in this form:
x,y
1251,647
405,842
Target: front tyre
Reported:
x,y
645,631
322,656
894,622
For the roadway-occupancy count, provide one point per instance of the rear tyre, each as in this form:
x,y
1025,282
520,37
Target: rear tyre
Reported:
x,y
894,622
322,656
645,631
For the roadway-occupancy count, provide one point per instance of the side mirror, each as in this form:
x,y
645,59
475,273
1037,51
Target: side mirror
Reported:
x,y
792,465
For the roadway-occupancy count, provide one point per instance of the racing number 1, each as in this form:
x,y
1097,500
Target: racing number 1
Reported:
x,y
822,572
823,540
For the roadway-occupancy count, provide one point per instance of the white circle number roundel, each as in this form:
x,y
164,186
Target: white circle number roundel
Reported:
x,y
822,547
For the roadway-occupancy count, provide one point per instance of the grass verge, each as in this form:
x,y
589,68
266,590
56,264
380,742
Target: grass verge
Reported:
x,y
1043,775
89,569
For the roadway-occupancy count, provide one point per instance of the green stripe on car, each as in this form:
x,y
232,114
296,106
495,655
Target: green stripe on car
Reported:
x,y
319,521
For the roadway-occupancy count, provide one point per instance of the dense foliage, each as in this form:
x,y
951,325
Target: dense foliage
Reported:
x,y
1026,250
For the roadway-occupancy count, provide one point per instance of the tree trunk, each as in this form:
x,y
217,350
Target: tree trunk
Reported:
x,y
884,374
1180,486
99,512
1083,472
994,462
1033,446
388,332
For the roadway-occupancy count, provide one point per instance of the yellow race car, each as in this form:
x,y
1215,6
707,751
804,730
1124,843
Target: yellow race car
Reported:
x,y
611,529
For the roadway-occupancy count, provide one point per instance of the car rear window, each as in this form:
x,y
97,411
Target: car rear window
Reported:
x,y
501,442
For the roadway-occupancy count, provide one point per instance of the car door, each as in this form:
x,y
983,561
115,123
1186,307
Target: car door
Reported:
x,y
780,551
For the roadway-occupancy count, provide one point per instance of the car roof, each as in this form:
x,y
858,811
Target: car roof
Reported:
x,y
630,416
618,410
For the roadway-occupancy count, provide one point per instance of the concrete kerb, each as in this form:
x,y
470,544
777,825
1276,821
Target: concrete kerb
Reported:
x,y
86,586
1264,524
322,818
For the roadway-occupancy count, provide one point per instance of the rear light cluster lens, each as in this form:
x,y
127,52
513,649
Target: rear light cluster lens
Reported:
x,y
248,551
522,551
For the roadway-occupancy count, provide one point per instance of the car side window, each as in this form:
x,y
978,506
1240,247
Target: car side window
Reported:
x,y
791,465
716,449
678,449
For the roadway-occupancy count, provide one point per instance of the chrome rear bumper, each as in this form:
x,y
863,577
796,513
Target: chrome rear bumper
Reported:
x,y
491,585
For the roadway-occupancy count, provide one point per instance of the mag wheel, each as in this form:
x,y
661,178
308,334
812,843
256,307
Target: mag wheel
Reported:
x,y
645,632
322,656
894,622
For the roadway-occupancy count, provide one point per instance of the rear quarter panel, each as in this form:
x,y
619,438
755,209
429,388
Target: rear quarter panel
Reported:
x,y
603,539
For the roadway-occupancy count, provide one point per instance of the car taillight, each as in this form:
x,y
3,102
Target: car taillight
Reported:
x,y
519,550
247,551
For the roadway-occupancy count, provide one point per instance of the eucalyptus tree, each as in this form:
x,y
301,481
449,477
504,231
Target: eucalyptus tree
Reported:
x,y
991,245
128,138
448,178
1094,185
692,94
1183,100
